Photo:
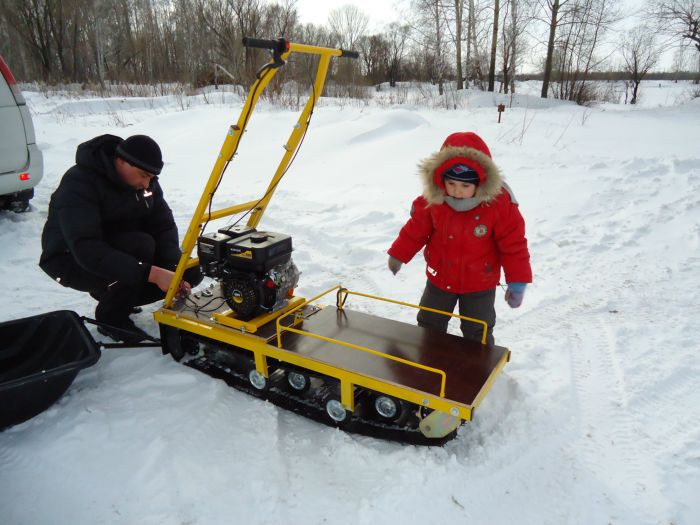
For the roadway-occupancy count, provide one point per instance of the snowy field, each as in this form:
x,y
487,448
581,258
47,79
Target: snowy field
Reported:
x,y
594,420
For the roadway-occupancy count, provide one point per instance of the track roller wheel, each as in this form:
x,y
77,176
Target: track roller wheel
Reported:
x,y
189,345
257,380
298,382
177,343
388,408
336,411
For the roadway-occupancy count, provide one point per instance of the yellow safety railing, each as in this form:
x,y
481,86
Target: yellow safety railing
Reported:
x,y
340,302
280,329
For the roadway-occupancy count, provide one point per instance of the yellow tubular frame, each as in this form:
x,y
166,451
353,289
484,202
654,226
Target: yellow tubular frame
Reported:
x,y
230,145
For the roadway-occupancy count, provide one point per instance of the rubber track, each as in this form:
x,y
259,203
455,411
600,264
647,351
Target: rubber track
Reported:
x,y
305,407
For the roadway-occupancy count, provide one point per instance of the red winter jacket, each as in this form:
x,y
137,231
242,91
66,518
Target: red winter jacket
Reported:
x,y
465,250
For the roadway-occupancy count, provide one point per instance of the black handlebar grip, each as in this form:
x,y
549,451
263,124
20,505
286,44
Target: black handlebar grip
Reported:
x,y
349,54
280,45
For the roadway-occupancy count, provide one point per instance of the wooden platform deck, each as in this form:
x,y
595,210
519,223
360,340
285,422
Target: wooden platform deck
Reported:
x,y
470,366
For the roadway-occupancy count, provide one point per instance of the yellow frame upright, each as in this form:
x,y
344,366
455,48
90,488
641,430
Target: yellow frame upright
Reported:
x,y
201,216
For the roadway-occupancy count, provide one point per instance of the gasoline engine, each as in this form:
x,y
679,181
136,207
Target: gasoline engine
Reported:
x,y
255,268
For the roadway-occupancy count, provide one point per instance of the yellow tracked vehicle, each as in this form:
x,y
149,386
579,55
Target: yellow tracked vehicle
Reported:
x,y
317,357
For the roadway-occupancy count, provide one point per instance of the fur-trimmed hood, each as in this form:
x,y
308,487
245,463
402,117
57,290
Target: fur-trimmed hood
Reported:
x,y
461,148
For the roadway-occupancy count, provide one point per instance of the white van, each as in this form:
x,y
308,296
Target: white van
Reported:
x,y
21,162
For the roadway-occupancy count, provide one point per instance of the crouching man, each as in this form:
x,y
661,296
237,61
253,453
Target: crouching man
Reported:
x,y
110,232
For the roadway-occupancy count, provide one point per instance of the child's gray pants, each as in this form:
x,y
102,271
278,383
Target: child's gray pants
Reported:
x,y
479,305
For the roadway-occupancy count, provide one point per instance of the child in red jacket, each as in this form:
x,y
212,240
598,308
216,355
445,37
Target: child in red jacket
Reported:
x,y
469,222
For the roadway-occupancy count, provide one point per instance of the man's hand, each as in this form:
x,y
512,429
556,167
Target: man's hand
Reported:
x,y
185,289
162,279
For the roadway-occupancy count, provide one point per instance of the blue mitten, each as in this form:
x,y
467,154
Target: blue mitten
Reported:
x,y
394,265
515,294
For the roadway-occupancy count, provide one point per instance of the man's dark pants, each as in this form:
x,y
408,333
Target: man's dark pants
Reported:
x,y
116,299
478,305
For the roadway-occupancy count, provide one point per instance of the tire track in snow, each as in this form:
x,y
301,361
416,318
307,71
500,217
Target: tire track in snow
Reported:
x,y
610,463
667,402
607,445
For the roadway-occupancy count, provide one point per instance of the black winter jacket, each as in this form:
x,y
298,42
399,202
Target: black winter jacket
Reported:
x,y
90,204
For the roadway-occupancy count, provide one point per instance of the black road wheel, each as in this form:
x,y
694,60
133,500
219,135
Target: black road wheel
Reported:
x,y
189,345
171,342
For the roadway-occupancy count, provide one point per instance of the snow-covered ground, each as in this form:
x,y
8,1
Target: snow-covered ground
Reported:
x,y
594,420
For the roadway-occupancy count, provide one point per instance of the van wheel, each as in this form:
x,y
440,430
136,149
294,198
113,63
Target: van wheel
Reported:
x,y
19,206
19,202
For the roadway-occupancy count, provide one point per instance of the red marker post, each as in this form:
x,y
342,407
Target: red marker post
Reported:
x,y
501,109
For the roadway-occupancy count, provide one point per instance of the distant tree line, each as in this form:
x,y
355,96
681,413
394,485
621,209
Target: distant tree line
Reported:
x,y
471,43
619,75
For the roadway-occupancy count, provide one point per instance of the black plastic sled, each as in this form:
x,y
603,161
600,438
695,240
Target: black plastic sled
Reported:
x,y
40,356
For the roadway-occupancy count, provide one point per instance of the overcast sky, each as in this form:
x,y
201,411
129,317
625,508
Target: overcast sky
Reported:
x,y
380,12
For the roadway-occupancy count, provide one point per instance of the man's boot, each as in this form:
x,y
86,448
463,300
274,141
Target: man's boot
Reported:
x,y
113,313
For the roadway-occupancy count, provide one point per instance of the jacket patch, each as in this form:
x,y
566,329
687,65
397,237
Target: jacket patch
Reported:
x,y
481,230
432,271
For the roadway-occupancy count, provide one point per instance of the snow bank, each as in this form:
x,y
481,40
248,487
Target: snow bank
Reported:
x,y
593,420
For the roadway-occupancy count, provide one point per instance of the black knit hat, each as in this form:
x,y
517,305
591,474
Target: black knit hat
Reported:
x,y
143,152
463,173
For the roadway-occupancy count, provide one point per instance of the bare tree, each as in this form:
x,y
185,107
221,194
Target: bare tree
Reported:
x,y
516,15
397,39
459,24
303,65
348,24
98,41
374,54
145,41
280,19
429,28
678,18
510,41
453,13
576,30
599,19
550,8
494,43
680,61
31,21
218,19
158,41
479,36
471,30
640,54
